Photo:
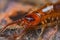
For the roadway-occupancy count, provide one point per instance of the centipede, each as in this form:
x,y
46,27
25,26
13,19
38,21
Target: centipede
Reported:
x,y
47,15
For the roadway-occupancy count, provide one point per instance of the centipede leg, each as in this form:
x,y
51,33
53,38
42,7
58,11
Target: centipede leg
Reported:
x,y
42,30
52,24
49,33
20,36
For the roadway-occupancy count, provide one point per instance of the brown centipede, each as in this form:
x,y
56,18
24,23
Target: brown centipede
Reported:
x,y
40,17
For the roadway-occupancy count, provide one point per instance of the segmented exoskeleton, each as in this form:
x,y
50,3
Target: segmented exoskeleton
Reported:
x,y
45,15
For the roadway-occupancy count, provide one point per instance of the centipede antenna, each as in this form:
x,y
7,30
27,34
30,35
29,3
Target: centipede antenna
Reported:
x,y
5,27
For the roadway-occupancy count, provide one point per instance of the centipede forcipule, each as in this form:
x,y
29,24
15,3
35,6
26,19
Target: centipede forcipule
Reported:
x,y
37,17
